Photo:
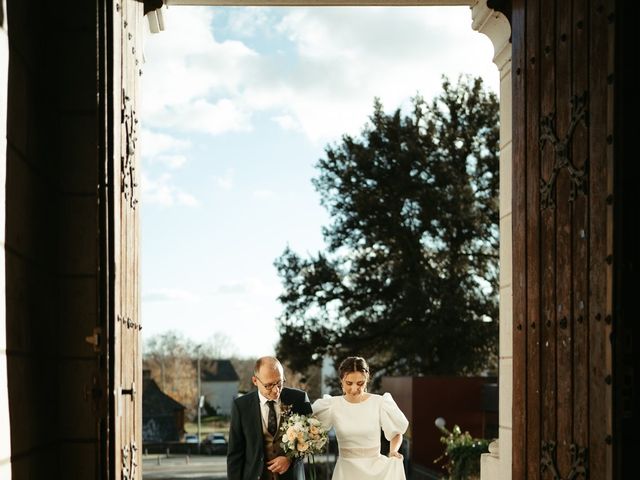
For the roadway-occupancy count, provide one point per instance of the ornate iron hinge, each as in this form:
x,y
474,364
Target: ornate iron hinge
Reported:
x,y
579,462
562,150
129,461
127,322
128,167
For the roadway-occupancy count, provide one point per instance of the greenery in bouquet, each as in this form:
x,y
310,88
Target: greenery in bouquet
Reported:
x,y
303,436
462,454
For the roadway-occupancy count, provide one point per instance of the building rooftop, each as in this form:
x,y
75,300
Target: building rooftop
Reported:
x,y
155,402
213,370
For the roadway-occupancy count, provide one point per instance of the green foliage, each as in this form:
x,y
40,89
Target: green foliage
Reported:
x,y
462,454
411,263
209,410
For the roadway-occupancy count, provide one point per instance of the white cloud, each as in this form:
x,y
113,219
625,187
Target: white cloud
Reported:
x,y
232,289
349,56
169,294
186,199
251,287
264,194
185,65
170,161
161,191
343,58
225,182
248,21
287,122
156,143
201,115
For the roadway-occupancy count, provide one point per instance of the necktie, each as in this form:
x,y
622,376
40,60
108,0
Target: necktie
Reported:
x,y
272,423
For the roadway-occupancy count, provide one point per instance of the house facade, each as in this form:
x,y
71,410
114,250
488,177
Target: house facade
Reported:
x,y
219,384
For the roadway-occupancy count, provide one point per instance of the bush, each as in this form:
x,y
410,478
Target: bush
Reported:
x,y
461,455
209,410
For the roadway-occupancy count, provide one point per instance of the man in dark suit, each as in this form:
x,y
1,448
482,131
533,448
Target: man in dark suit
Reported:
x,y
254,451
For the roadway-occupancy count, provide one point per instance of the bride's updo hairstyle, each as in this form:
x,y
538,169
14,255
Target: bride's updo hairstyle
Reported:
x,y
353,364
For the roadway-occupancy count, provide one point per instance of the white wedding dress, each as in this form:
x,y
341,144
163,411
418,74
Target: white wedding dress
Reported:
x,y
357,427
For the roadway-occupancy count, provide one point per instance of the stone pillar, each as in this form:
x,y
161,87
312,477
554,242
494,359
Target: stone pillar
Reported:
x,y
497,463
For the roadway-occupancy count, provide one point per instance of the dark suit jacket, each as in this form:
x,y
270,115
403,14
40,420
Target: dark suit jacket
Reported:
x,y
245,455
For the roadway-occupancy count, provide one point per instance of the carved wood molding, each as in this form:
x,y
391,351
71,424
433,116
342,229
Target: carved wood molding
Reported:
x,y
562,150
579,462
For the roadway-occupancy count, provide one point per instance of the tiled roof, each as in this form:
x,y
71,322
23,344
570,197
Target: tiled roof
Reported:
x,y
212,370
155,402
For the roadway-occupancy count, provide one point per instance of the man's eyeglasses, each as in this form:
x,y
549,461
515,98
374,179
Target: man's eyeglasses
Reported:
x,y
271,386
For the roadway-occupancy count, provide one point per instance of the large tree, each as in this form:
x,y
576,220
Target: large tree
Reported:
x,y
168,356
409,277
171,359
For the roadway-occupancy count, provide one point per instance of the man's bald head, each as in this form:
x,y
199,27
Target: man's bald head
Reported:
x,y
267,363
268,376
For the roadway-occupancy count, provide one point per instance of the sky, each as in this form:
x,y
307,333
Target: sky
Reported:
x,y
238,105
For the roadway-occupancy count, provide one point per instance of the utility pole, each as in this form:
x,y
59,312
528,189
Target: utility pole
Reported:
x,y
199,406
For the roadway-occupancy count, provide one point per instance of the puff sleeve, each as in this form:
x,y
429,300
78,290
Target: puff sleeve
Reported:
x,y
392,420
322,411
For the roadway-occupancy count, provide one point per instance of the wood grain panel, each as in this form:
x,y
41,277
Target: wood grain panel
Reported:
x,y
563,245
115,330
599,347
127,381
564,267
534,323
547,234
519,252
580,324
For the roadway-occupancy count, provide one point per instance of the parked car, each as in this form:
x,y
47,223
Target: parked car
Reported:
x,y
215,444
191,438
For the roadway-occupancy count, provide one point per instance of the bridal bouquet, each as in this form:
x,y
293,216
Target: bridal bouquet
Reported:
x,y
303,436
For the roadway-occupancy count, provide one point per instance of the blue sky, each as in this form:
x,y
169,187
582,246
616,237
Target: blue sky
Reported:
x,y
238,105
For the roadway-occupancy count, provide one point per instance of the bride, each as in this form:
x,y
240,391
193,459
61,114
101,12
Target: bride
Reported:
x,y
357,417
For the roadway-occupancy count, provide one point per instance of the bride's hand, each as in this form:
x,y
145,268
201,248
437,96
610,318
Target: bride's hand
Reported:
x,y
396,455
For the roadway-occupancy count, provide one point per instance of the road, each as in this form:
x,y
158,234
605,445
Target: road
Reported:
x,y
202,467
180,466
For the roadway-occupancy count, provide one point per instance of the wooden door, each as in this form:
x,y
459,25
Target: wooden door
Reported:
x,y
563,92
125,437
